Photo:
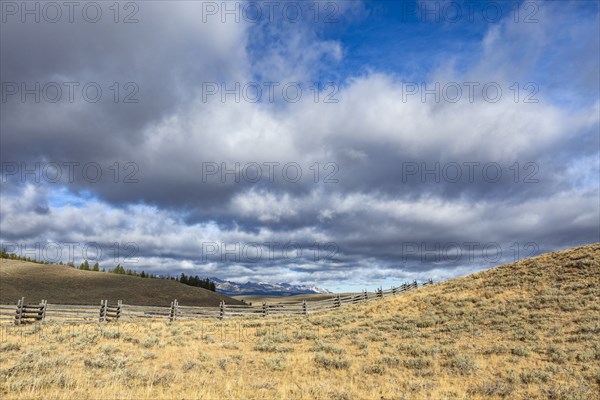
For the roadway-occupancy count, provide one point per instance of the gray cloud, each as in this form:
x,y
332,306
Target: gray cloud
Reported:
x,y
376,212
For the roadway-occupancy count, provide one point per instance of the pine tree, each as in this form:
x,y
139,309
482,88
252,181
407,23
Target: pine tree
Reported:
x,y
96,267
117,270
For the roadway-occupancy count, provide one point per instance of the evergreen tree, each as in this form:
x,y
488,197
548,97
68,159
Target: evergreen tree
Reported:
x,y
117,270
96,267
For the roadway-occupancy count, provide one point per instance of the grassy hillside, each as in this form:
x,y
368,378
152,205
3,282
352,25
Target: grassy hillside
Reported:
x,y
61,284
527,330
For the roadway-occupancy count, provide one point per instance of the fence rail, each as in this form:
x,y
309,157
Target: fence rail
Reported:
x,y
107,312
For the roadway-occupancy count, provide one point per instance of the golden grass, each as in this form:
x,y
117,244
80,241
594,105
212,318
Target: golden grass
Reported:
x,y
528,330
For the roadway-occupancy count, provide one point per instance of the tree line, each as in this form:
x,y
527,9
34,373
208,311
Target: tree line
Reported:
x,y
119,269
196,281
12,256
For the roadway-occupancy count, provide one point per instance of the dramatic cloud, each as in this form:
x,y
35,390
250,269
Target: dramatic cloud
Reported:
x,y
479,146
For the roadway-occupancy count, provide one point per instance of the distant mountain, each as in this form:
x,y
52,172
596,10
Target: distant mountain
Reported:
x,y
229,288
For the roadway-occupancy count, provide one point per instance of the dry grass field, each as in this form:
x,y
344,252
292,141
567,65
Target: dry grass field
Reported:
x,y
60,284
528,330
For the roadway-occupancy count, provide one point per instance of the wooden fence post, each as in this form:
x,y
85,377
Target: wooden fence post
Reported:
x,y
118,310
174,310
415,284
393,291
19,313
365,295
304,308
337,302
42,313
103,307
222,309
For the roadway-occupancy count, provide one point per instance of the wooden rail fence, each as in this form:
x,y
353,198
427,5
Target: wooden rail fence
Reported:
x,y
31,313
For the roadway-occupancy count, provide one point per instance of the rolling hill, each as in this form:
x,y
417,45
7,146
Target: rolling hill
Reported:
x,y
526,330
65,285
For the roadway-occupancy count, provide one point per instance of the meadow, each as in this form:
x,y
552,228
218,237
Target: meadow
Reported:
x,y
527,330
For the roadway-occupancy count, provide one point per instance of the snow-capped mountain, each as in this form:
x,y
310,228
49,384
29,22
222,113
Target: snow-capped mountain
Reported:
x,y
263,288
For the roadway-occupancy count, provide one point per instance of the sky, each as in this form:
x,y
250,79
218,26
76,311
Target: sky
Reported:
x,y
342,144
